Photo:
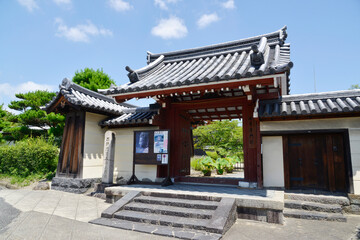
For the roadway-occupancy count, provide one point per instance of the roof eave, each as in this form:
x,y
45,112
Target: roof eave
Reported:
x,y
266,80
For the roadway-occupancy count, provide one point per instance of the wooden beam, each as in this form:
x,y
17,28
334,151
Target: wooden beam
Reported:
x,y
226,112
211,103
199,87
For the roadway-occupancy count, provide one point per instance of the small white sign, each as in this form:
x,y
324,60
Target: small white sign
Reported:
x,y
164,159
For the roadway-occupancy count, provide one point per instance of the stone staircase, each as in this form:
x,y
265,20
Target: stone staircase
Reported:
x,y
315,207
173,215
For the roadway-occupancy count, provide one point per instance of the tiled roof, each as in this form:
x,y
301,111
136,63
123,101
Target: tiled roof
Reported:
x,y
213,63
130,117
311,104
90,100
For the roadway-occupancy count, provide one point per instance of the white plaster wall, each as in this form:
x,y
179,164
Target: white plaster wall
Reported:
x,y
273,163
124,151
353,124
354,134
93,146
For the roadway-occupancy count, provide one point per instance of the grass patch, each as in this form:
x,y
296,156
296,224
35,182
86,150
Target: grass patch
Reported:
x,y
195,163
19,181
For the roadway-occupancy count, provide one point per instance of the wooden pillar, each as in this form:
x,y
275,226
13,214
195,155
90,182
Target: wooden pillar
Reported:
x,y
259,168
179,125
252,145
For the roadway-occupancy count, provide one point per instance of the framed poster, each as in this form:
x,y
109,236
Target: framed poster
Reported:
x,y
142,142
161,142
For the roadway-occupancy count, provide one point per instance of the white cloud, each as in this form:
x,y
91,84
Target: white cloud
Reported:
x,y
173,27
163,3
230,4
8,91
79,33
30,5
65,3
119,5
207,19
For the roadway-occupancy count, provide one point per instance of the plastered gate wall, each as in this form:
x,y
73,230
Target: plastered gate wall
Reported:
x,y
93,156
124,151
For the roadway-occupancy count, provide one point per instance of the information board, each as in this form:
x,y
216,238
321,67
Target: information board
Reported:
x,y
151,147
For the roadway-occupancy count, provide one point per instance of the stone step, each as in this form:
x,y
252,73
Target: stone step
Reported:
x,y
165,220
170,210
312,215
312,206
157,229
185,203
325,199
182,196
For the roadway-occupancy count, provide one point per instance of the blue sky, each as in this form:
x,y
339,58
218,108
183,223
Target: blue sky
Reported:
x,y
43,41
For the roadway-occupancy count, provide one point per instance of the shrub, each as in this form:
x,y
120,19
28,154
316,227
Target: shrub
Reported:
x,y
195,164
29,156
213,155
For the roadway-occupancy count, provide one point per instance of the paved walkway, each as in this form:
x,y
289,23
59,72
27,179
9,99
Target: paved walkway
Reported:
x,y
59,215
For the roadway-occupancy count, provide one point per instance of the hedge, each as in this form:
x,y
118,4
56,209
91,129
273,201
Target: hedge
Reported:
x,y
29,156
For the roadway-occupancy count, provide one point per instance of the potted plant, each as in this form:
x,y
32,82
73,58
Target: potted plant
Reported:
x,y
207,165
220,165
229,168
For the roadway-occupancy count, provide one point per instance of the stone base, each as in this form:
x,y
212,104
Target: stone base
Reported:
x,y
100,187
354,207
247,184
263,215
73,185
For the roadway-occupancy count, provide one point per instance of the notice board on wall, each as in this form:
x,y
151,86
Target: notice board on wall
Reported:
x,y
152,147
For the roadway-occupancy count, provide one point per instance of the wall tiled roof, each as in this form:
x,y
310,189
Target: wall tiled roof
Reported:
x,y
213,63
131,117
90,100
311,104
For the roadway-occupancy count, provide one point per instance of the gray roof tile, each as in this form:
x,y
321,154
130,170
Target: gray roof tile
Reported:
x,y
311,104
131,117
218,62
88,99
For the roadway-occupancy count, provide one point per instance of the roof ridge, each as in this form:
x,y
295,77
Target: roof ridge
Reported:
x,y
281,34
151,65
67,84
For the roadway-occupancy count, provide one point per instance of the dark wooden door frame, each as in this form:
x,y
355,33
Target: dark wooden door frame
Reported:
x,y
347,154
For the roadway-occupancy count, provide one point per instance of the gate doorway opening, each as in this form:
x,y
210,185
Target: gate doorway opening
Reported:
x,y
218,150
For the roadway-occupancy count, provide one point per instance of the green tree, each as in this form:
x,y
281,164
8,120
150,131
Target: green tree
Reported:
x,y
31,115
225,137
355,86
93,80
4,120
